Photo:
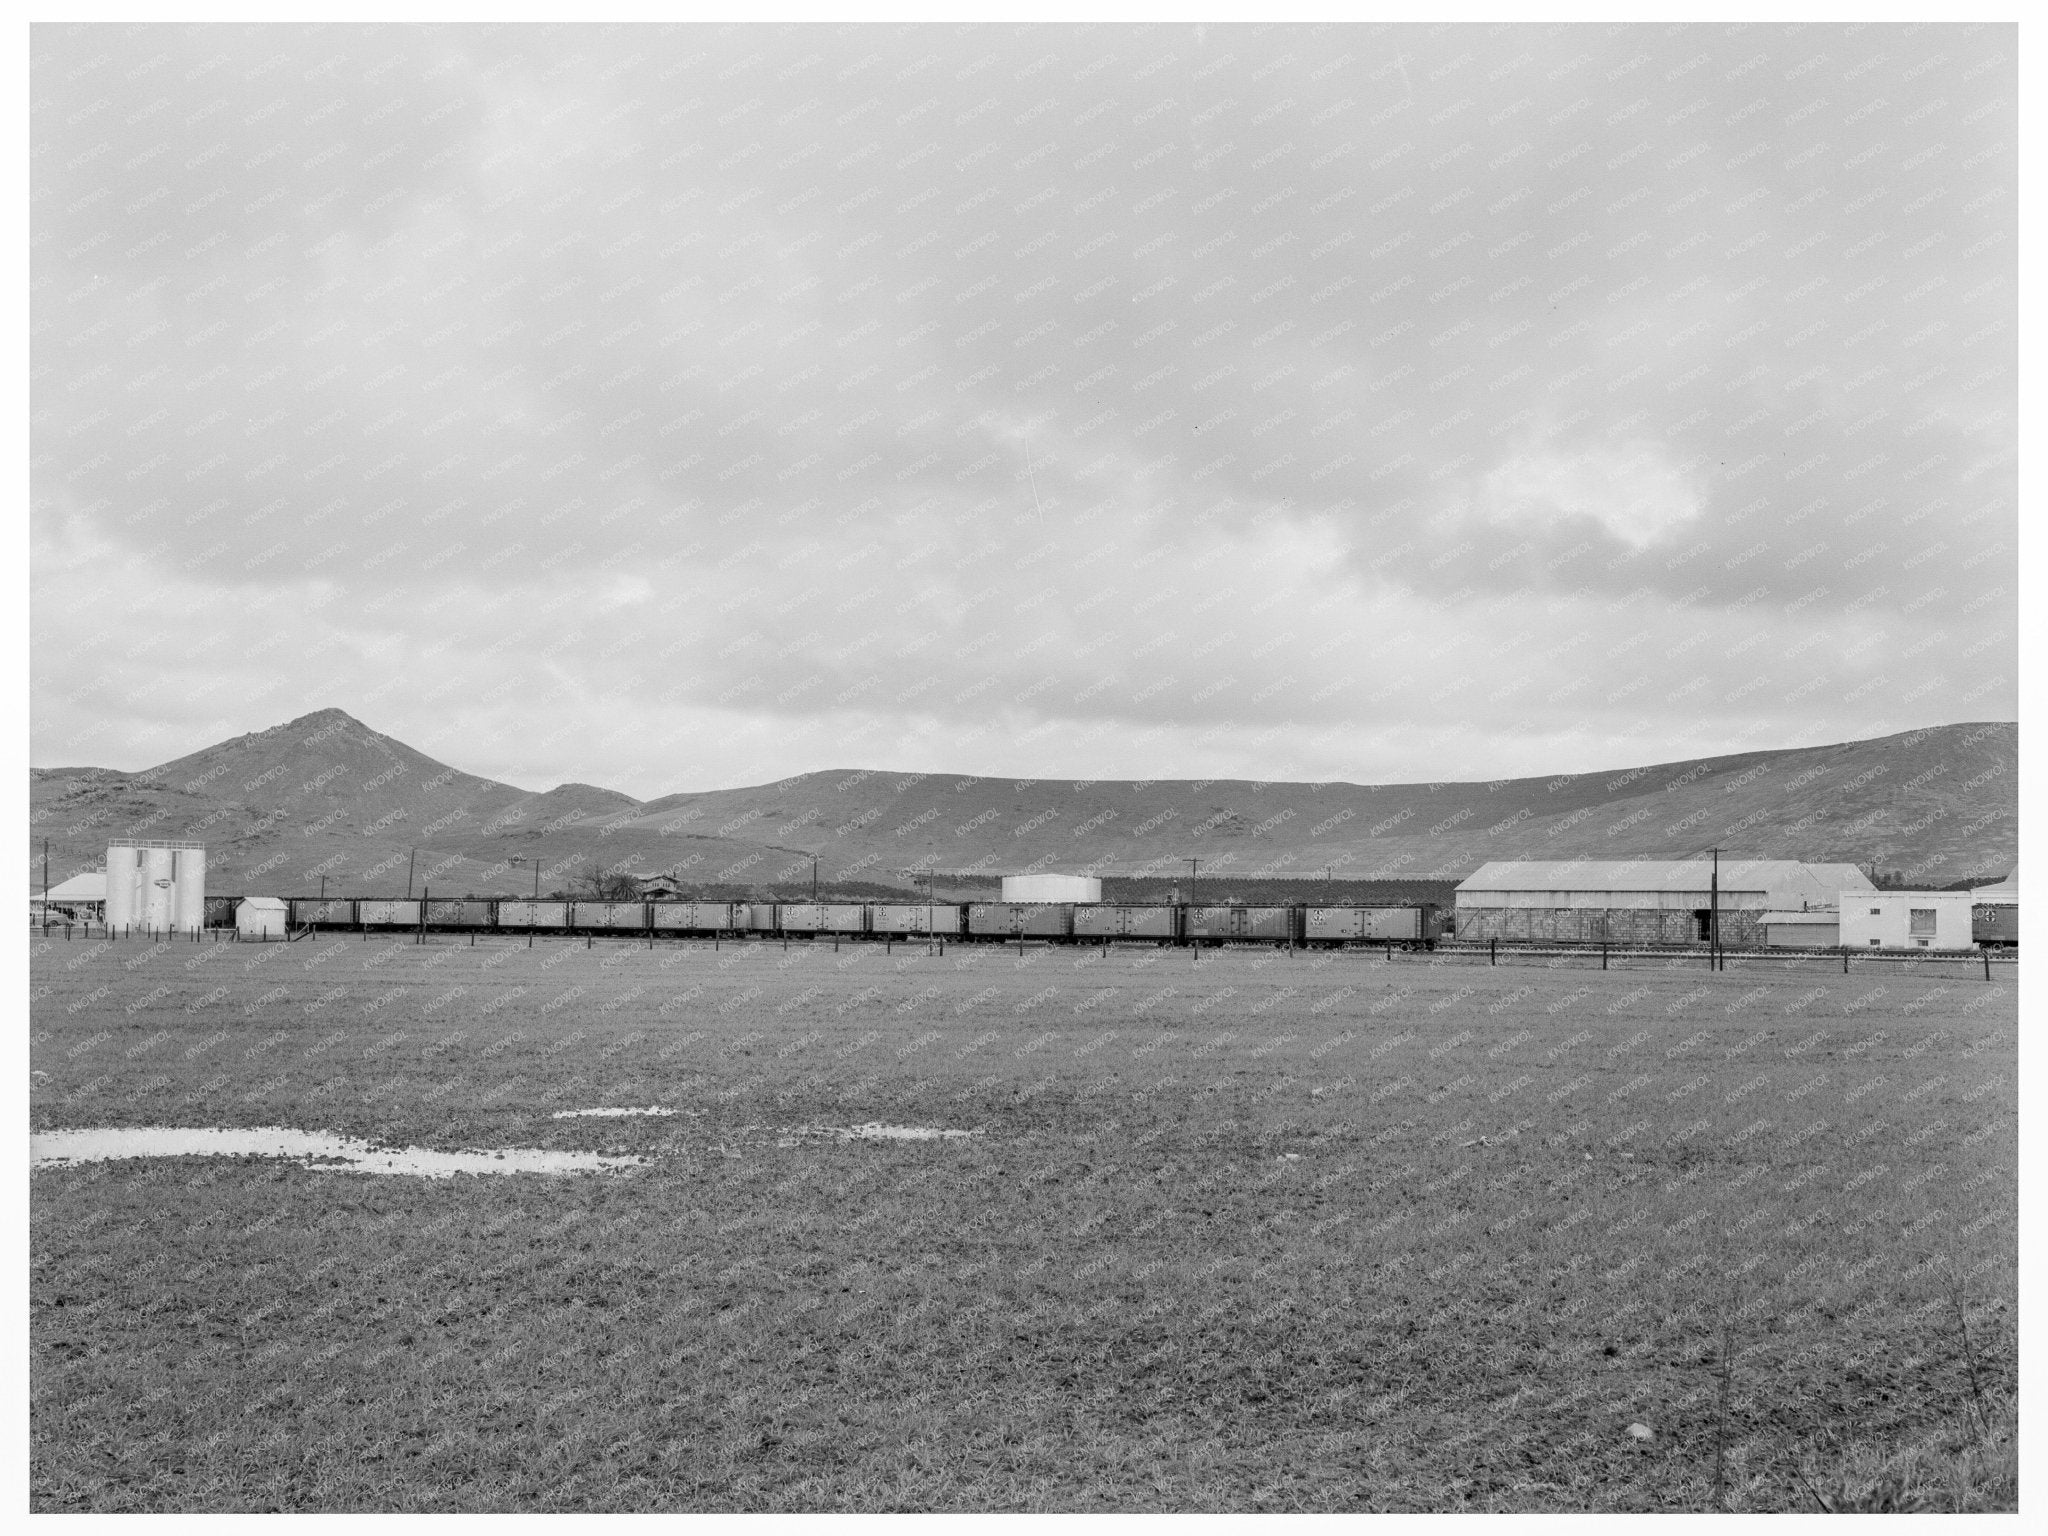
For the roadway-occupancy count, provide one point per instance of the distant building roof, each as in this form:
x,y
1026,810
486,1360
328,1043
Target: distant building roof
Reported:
x,y
2007,889
87,887
1785,882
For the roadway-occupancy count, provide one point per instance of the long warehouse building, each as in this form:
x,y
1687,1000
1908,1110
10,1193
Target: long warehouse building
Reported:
x,y
1641,901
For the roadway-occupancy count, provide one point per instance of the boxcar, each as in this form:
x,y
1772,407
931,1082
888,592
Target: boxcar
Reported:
x,y
691,916
821,917
533,914
1995,923
315,912
913,917
1215,925
458,912
1341,925
1017,919
1126,922
610,917
220,911
388,914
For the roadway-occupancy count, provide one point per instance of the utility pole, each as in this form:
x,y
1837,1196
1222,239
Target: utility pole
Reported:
x,y
323,887
410,858
46,885
1714,909
1194,869
814,877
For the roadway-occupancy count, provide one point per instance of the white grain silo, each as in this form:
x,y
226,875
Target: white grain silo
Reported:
x,y
157,887
158,907
121,881
188,873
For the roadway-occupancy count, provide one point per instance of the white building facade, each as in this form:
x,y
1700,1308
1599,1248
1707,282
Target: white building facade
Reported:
x,y
1052,888
1907,920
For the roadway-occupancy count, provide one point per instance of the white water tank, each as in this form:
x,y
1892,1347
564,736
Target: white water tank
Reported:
x,y
122,874
156,887
1051,888
188,872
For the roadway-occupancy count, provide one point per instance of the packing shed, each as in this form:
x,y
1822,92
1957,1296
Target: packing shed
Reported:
x,y
1643,901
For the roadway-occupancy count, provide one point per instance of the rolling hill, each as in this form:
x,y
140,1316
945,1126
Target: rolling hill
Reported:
x,y
324,795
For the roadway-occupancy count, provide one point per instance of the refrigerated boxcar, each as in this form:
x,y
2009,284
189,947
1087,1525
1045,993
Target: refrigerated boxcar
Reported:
x,y
315,912
388,914
609,916
1020,919
1217,925
458,912
533,914
821,917
1370,925
1995,924
1127,922
691,916
907,918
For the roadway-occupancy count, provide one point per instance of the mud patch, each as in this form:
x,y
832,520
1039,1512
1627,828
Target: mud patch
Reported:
x,y
323,1151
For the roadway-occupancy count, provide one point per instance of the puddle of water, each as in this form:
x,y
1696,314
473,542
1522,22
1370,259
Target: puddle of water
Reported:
x,y
574,1114
336,1154
790,1135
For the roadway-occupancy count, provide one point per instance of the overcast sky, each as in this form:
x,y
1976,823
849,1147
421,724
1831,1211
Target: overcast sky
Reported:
x,y
677,408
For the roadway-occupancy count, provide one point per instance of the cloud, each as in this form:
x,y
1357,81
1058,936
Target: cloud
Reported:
x,y
1633,494
968,397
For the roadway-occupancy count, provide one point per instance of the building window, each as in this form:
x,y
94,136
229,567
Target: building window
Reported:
x,y
1920,920
1877,911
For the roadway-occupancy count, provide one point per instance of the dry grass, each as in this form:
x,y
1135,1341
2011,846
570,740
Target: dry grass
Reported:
x,y
1310,1233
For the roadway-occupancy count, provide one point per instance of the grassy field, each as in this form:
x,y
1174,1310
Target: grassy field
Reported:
x,y
1262,1232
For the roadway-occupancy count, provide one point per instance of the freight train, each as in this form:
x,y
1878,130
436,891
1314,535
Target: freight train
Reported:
x,y
1416,926
1996,924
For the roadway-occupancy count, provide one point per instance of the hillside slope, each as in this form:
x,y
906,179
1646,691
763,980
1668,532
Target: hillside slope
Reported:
x,y
326,795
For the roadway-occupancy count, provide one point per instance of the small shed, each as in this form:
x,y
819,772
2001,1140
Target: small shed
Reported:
x,y
1907,920
260,917
1052,888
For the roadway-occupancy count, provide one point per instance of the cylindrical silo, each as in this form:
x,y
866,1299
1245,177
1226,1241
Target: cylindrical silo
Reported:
x,y
190,886
157,907
121,905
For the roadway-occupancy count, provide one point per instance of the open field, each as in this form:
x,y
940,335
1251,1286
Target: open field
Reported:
x,y
1308,1232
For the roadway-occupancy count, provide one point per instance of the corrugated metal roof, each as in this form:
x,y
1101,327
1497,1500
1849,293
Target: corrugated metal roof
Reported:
x,y
1787,882
1625,874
